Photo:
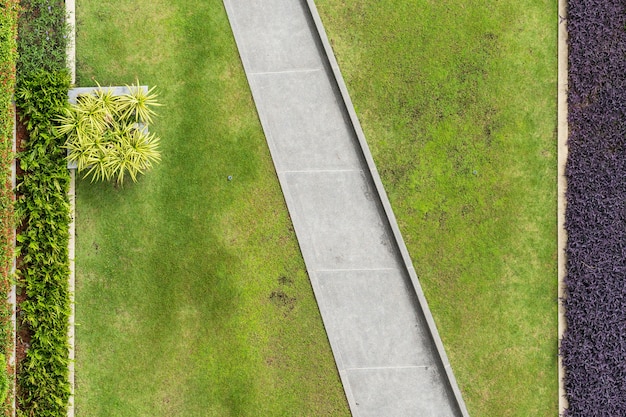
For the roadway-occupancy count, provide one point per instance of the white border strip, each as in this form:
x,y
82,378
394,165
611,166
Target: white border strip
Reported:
x,y
562,187
70,8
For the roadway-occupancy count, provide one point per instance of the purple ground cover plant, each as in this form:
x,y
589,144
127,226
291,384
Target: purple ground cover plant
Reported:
x,y
594,345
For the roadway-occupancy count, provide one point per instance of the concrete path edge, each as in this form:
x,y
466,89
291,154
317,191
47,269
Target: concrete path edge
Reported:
x,y
391,218
562,136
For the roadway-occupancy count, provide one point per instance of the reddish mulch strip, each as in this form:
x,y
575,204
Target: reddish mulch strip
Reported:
x,y
23,334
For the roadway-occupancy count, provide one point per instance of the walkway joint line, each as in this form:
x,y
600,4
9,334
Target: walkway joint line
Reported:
x,y
356,270
296,71
318,171
390,367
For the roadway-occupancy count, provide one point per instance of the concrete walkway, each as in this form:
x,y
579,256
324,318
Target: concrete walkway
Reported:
x,y
385,344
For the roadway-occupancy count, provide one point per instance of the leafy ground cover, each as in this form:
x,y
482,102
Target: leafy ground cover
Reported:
x,y
192,297
458,103
8,57
593,346
43,206
42,37
43,211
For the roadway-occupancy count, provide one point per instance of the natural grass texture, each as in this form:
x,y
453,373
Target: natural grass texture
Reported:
x,y
192,297
458,104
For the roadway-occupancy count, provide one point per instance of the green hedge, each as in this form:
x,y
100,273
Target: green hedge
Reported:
x,y
43,207
43,37
43,204
8,58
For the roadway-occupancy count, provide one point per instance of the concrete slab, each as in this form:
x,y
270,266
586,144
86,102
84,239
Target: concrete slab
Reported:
x,y
339,220
375,319
304,122
401,392
73,93
276,35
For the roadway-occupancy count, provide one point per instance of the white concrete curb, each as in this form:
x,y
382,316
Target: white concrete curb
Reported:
x,y
70,7
562,187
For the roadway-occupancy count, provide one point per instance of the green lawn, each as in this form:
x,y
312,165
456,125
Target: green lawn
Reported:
x,y
192,296
458,103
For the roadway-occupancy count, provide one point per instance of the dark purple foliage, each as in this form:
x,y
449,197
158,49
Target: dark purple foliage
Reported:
x,y
594,345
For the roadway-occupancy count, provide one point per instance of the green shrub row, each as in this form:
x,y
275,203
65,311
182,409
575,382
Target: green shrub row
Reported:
x,y
43,37
8,58
43,206
43,209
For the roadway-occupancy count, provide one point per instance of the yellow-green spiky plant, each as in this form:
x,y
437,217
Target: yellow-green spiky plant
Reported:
x,y
106,135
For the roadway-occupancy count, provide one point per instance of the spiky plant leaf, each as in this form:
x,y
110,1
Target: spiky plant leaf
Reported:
x,y
132,155
109,103
67,123
145,148
137,104
121,161
98,162
91,112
